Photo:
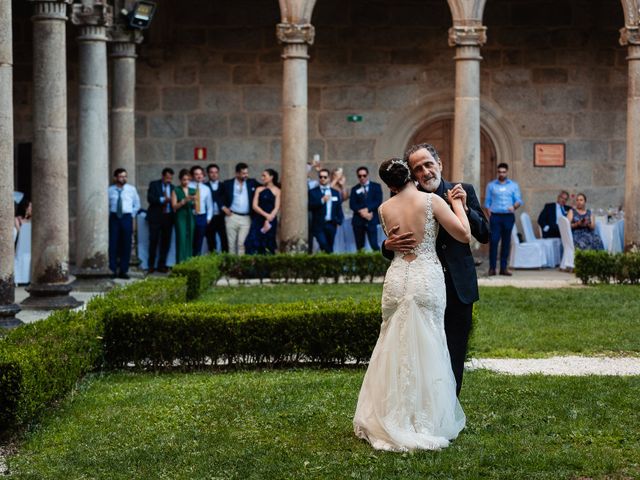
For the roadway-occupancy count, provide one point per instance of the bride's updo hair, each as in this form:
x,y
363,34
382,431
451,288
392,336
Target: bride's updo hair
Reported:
x,y
395,173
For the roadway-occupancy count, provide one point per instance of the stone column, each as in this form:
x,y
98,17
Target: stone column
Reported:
x,y
466,124
631,38
8,308
295,143
50,235
92,224
123,87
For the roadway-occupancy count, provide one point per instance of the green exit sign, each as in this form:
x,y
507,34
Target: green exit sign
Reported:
x,y
354,118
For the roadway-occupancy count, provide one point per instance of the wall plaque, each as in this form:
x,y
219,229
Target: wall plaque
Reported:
x,y
549,155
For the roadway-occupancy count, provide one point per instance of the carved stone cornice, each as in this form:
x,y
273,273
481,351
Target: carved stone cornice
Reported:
x,y
50,9
95,13
467,35
630,36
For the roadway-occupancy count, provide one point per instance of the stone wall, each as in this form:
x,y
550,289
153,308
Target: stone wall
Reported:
x,y
209,74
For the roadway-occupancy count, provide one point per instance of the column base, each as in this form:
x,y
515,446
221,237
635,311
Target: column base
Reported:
x,y
50,297
8,318
93,280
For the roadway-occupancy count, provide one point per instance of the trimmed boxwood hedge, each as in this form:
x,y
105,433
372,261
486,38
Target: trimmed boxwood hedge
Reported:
x,y
42,361
603,267
196,335
201,272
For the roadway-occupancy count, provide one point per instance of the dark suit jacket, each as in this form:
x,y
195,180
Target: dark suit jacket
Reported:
x,y
371,201
548,218
154,195
228,192
317,208
455,257
217,195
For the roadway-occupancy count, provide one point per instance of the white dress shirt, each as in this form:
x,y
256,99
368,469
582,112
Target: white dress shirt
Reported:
x,y
130,199
206,202
240,202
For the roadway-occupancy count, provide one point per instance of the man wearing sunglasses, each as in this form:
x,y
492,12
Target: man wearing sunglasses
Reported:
x,y
364,200
325,205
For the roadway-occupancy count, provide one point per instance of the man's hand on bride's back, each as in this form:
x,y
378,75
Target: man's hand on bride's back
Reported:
x,y
403,242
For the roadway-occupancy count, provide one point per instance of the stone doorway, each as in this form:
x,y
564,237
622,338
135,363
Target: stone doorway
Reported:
x,y
439,133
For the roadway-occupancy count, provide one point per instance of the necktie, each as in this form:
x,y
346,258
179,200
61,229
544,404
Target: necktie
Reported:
x,y
197,199
119,211
366,191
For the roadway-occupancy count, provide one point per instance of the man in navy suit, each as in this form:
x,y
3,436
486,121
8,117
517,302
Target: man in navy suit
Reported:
x,y
325,205
160,217
364,200
238,195
457,261
216,226
548,218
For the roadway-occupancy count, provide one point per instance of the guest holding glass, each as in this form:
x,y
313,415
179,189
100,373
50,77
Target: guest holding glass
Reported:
x,y
264,221
182,201
583,226
339,182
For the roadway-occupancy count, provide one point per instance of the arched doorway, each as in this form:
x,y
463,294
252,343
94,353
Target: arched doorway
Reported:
x,y
439,133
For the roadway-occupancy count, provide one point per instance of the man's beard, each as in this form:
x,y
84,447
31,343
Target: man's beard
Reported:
x,y
433,183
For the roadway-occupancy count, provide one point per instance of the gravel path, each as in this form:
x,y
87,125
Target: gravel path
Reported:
x,y
569,365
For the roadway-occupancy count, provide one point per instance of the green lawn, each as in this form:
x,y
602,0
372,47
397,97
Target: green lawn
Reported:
x,y
512,322
297,424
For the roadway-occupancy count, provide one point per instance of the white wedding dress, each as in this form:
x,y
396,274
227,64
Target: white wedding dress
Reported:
x,y
408,396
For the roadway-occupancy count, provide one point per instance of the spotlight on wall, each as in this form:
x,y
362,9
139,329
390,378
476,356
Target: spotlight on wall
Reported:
x,y
141,14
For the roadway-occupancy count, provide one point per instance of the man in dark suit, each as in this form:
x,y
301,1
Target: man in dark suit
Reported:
x,y
237,202
216,226
456,258
160,217
325,205
364,200
548,218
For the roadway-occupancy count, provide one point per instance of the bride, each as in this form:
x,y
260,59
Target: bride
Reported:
x,y
408,396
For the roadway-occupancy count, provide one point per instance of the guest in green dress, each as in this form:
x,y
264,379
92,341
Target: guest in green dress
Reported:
x,y
182,199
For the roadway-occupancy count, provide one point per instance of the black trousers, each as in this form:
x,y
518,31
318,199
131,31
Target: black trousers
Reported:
x,y
457,327
120,235
372,233
216,226
160,233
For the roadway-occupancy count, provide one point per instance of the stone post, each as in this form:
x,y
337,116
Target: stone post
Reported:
x,y
123,87
631,38
295,143
466,124
92,247
50,234
8,307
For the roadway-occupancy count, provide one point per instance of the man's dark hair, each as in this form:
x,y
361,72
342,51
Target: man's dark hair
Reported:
x,y
195,168
167,170
564,192
118,171
241,166
419,146
363,168
212,165
503,165
324,170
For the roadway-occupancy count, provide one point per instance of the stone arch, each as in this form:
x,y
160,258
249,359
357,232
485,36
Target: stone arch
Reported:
x,y
431,108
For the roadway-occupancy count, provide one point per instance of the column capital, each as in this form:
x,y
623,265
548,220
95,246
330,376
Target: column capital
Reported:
x,y
467,35
94,14
50,9
296,39
630,36
119,33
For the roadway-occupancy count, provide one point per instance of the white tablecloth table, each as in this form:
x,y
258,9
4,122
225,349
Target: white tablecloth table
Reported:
x,y
612,235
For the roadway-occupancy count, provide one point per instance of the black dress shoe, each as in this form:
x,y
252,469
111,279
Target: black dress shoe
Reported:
x,y
124,276
151,270
506,273
491,273
163,270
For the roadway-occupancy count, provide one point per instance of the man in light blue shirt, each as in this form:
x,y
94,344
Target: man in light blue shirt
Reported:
x,y
502,198
124,204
